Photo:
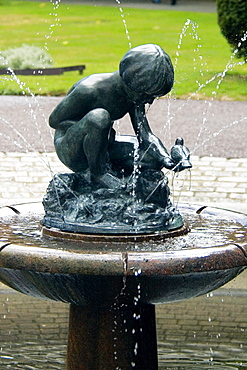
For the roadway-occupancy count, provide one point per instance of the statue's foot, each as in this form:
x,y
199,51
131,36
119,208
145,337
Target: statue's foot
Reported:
x,y
108,181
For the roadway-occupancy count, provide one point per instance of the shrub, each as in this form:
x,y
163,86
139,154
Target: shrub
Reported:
x,y
232,19
25,57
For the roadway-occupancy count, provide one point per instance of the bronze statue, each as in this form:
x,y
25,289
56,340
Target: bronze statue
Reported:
x,y
86,142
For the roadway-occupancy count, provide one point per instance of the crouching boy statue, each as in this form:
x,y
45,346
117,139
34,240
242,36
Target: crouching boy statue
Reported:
x,y
104,191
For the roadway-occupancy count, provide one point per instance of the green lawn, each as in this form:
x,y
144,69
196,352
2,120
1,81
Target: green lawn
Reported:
x,y
95,36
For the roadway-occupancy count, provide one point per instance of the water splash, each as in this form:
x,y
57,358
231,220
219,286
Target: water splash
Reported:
x,y
218,77
56,20
181,188
194,34
217,133
26,92
136,169
124,23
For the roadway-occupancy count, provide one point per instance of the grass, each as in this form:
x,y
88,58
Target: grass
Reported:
x,y
95,36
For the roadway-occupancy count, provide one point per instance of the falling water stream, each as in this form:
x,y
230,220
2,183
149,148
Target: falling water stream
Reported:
x,y
198,333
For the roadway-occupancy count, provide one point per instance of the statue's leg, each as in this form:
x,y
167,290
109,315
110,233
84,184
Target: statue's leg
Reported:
x,y
84,144
97,125
68,141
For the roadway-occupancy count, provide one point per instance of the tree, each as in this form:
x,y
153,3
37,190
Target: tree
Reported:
x,y
232,19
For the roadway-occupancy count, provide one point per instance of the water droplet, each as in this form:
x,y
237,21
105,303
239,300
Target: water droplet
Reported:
x,y
135,349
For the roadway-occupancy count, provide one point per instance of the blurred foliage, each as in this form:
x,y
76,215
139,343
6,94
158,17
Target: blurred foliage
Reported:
x,y
232,19
25,57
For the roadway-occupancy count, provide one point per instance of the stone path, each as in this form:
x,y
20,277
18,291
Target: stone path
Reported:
x,y
211,329
213,181
202,6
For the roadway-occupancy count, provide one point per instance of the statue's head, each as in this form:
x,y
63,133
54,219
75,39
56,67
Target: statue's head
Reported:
x,y
147,69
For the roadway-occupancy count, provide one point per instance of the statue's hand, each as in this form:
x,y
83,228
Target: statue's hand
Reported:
x,y
168,163
180,154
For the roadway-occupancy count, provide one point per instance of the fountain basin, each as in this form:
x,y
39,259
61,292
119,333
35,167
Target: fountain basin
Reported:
x,y
100,270
98,280
113,282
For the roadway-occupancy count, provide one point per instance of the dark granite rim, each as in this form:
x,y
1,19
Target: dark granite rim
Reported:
x,y
122,263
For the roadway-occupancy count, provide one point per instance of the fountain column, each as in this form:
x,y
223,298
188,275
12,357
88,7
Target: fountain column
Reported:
x,y
106,338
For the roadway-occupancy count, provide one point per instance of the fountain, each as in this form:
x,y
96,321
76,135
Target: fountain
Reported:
x,y
113,245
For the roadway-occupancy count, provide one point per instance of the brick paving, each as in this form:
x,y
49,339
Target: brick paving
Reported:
x,y
212,181
210,329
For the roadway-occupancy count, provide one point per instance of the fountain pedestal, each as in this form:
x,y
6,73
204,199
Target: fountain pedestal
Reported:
x,y
106,338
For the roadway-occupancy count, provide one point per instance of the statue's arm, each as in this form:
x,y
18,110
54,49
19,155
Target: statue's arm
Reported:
x,y
71,108
147,140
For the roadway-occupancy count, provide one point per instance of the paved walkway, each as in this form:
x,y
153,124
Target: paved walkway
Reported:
x,y
201,6
203,331
213,181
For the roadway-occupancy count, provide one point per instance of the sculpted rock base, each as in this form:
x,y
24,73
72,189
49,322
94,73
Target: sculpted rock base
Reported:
x,y
73,203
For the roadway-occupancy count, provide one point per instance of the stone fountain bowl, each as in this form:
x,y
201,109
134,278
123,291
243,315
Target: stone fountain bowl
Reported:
x,y
103,270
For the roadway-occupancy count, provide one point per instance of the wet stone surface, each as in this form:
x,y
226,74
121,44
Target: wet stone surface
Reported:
x,y
206,229
90,272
